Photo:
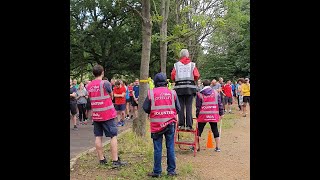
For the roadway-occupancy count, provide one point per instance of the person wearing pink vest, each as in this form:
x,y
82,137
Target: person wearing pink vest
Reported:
x,y
103,116
162,106
209,108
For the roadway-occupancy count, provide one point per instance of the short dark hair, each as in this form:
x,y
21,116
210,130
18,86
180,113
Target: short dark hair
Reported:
x,y
97,70
117,83
125,83
206,82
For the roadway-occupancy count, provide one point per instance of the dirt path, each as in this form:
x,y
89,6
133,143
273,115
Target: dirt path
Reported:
x,y
233,162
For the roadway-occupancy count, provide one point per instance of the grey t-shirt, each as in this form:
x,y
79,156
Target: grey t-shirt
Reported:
x,y
216,87
199,88
82,100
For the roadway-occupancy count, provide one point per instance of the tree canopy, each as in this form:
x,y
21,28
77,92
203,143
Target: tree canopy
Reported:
x,y
108,32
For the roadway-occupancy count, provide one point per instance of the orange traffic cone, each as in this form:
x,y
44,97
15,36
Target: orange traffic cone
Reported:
x,y
209,141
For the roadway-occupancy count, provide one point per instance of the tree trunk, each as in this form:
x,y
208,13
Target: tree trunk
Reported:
x,y
188,14
139,124
177,2
163,34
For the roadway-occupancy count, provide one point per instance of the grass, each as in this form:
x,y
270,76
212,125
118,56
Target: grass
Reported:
x,y
139,154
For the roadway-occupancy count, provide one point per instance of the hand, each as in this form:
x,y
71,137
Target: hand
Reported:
x,y
221,117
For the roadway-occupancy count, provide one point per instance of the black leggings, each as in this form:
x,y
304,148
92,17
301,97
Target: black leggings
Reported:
x,y
214,128
186,104
82,112
239,102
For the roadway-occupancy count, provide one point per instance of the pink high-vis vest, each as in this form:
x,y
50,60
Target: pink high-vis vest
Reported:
x,y
163,108
101,104
209,111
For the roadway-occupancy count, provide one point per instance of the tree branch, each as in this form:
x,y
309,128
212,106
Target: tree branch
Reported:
x,y
155,8
78,65
206,34
136,12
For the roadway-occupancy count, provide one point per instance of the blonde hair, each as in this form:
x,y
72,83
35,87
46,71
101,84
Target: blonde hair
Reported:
x,y
81,84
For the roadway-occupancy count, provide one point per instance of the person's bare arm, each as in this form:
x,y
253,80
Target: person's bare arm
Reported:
x,y
239,90
81,95
120,95
221,90
134,97
73,95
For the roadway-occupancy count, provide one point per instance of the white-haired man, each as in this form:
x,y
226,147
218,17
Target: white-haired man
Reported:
x,y
185,73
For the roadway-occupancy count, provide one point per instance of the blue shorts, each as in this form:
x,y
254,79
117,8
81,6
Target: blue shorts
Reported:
x,y
120,107
109,128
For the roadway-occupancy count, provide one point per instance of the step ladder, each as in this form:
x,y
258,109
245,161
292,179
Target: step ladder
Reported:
x,y
188,143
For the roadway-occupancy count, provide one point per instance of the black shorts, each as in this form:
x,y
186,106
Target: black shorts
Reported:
x,y
73,108
88,105
228,100
109,128
133,102
120,107
246,99
128,100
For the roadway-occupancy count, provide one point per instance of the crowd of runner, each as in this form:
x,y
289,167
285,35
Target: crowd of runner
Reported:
x,y
230,92
124,97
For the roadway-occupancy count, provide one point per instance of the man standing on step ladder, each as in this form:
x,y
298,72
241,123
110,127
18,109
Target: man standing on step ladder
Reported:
x,y
185,73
